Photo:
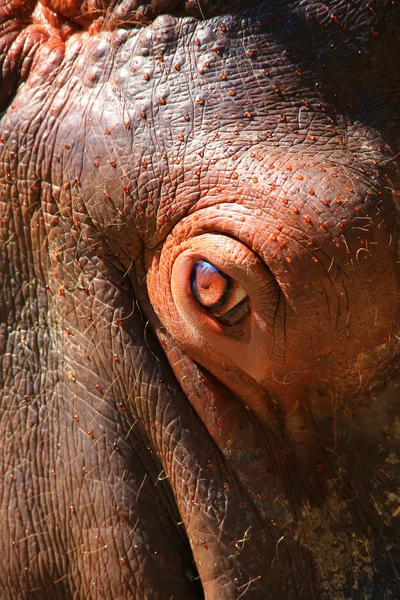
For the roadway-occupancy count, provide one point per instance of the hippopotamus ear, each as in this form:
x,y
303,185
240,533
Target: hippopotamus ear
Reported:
x,y
31,36
13,19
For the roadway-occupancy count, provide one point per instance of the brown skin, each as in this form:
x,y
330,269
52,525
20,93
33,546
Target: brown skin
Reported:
x,y
147,450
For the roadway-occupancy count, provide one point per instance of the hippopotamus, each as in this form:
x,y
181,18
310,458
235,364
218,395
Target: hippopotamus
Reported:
x,y
199,308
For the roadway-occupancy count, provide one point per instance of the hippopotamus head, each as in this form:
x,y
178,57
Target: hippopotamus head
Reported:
x,y
199,317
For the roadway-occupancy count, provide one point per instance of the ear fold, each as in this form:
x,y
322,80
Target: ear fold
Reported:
x,y
18,45
29,34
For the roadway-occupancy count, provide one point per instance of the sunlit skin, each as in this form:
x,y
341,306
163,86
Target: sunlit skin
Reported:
x,y
199,300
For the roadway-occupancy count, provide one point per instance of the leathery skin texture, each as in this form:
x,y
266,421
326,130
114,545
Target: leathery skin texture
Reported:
x,y
199,300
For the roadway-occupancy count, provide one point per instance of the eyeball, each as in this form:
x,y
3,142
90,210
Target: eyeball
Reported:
x,y
218,300
209,286
218,293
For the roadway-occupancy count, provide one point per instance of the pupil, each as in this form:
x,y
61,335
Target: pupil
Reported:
x,y
208,285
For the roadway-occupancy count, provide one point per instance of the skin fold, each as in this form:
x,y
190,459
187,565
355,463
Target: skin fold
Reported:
x,y
150,449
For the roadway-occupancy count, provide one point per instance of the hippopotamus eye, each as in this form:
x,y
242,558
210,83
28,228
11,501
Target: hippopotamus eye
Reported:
x,y
218,294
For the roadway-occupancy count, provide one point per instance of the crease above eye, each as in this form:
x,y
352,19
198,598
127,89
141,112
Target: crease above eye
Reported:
x,y
218,293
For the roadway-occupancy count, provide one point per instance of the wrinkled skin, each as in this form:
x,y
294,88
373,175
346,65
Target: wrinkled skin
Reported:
x,y
147,450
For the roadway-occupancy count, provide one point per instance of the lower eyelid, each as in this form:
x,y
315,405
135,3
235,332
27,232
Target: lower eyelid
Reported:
x,y
238,294
236,314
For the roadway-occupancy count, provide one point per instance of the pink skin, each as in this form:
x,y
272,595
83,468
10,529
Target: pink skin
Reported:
x,y
264,452
332,334
331,306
